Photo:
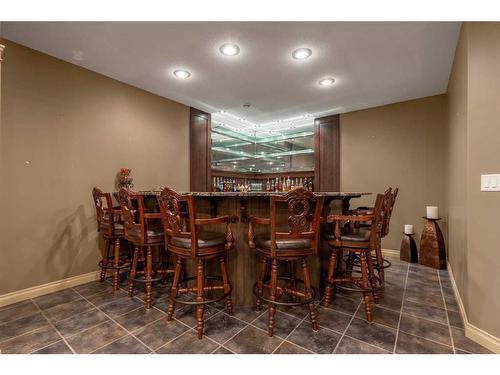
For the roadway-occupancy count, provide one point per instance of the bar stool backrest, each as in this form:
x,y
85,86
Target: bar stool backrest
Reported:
x,y
175,209
390,199
378,220
104,210
132,208
303,212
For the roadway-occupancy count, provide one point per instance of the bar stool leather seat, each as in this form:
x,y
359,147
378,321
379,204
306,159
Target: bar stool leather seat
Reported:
x,y
205,239
263,242
153,233
118,228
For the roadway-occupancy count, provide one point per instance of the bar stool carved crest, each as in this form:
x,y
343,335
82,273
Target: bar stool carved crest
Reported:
x,y
185,241
144,230
360,244
291,242
110,225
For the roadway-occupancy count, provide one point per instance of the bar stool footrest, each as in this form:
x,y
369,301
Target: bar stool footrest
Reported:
x,y
206,302
281,303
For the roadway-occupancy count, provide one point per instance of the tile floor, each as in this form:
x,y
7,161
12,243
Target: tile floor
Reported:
x,y
417,314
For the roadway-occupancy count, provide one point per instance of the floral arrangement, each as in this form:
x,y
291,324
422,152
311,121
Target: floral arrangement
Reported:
x,y
125,178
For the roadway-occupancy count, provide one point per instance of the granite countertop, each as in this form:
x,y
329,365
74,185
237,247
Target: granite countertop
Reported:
x,y
259,193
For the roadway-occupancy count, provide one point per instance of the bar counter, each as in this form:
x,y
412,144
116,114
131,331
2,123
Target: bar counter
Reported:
x,y
242,262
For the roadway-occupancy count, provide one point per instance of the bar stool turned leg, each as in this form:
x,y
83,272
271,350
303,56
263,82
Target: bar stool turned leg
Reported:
x,y
116,264
133,272
373,279
200,285
293,278
380,262
329,279
175,286
149,273
105,260
260,281
365,285
225,280
309,295
272,296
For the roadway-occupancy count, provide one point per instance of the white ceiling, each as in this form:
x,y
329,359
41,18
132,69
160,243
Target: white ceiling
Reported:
x,y
373,63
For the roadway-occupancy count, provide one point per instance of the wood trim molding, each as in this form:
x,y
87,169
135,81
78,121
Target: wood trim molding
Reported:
x,y
55,286
200,150
327,153
471,331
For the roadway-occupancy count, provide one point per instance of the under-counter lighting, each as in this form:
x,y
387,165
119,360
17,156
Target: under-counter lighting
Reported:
x,y
326,81
301,53
182,74
229,49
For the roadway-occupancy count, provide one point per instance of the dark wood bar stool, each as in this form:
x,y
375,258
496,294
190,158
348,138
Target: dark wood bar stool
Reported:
x,y
360,244
110,225
389,201
185,240
145,231
290,238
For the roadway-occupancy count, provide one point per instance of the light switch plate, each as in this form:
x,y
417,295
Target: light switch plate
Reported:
x,y
490,182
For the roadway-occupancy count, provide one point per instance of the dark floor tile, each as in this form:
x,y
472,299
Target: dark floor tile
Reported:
x,y
422,275
298,311
92,288
466,344
372,333
408,344
424,286
187,314
22,325
103,298
30,342
284,324
93,338
322,341
426,329
390,302
221,327
380,315
248,313
345,303
17,311
446,282
425,311
80,322
435,300
451,303
58,298
139,318
222,350
333,319
125,345
66,310
160,332
121,306
253,341
455,319
448,292
59,347
289,348
458,351
188,343
349,345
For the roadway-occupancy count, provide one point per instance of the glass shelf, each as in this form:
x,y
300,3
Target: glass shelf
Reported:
x,y
258,151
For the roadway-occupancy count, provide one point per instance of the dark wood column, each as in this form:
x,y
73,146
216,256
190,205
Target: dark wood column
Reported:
x,y
200,155
327,153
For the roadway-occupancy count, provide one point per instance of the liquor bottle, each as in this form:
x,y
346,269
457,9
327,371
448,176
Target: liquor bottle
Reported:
x,y
301,182
268,185
280,184
288,184
311,185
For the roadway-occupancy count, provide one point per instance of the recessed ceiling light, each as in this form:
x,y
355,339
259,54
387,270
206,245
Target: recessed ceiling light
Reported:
x,y
182,74
301,53
229,49
326,81
222,111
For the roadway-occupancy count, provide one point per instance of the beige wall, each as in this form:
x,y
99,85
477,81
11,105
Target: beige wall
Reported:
x,y
76,128
475,82
398,145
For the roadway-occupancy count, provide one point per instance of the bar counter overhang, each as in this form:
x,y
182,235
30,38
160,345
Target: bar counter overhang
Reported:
x,y
242,261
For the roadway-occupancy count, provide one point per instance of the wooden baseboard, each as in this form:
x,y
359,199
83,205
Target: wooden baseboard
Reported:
x,y
390,252
474,333
40,290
